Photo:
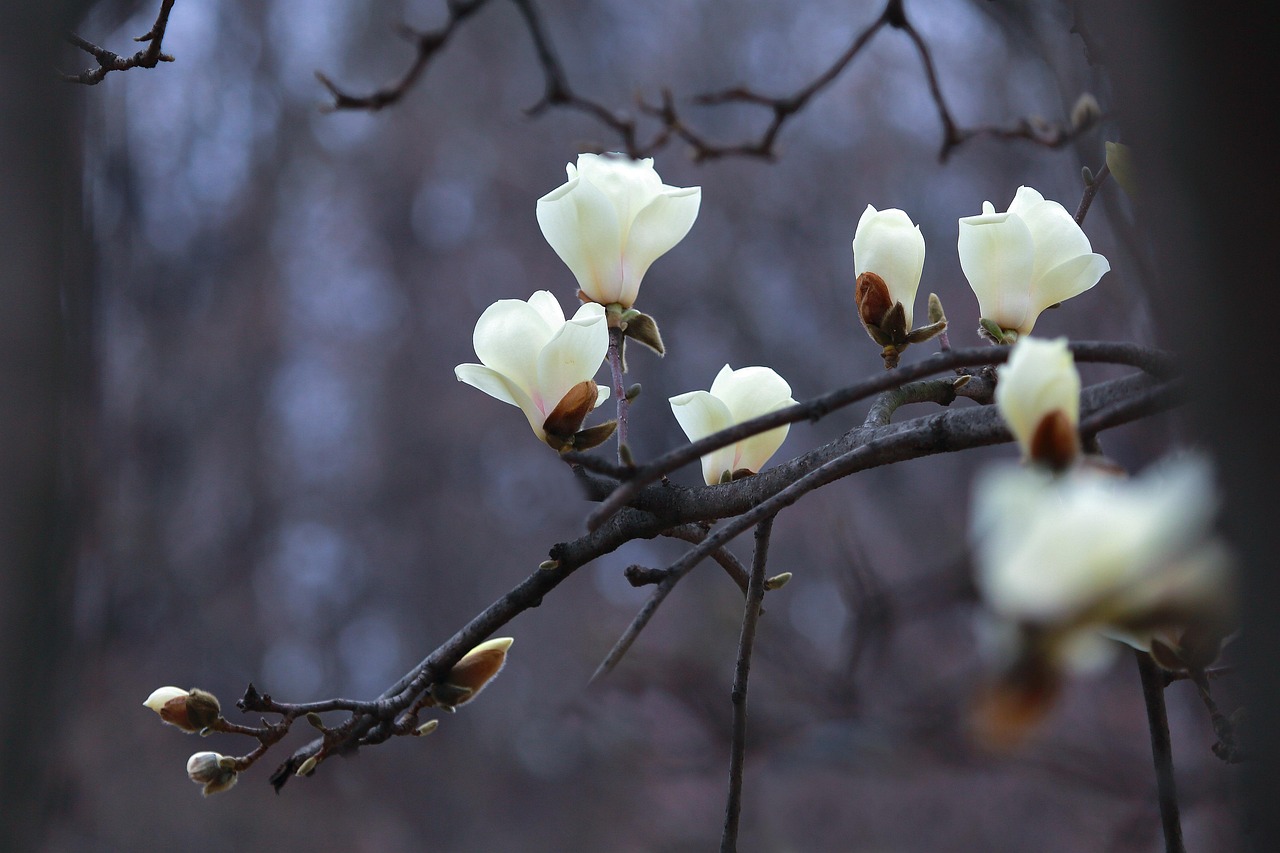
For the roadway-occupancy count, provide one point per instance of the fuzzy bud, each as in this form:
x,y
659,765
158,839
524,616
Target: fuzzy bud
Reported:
x,y
214,771
190,710
470,675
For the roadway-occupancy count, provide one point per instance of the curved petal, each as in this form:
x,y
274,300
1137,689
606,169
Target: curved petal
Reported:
x,y
573,355
508,337
548,308
754,452
499,387
628,184
1057,236
1041,377
997,255
699,415
1063,282
658,226
582,226
750,391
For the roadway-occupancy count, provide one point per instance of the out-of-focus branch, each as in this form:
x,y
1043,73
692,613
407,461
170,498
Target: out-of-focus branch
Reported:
x,y
742,672
672,124
1161,751
149,57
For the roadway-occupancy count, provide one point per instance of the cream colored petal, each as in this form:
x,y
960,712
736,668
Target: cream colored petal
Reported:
x,y
548,308
657,228
508,337
499,387
699,415
1057,237
574,355
750,391
1041,377
1063,282
162,696
582,226
997,255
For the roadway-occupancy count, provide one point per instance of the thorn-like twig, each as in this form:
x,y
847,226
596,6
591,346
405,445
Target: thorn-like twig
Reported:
x,y
149,57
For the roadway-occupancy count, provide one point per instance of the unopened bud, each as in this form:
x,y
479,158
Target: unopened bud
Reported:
x,y
777,581
190,710
427,728
548,565
470,675
1086,112
315,720
570,412
307,767
214,771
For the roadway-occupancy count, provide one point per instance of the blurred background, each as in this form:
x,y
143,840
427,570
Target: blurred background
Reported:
x,y
279,480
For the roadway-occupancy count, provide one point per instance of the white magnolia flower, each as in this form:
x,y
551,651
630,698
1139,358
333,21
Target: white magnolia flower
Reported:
x,y
1024,260
611,220
735,396
532,358
1038,394
1074,554
890,245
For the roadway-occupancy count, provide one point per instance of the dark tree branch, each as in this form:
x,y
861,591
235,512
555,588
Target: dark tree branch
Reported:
x,y
149,57
558,92
1161,751
742,672
1091,190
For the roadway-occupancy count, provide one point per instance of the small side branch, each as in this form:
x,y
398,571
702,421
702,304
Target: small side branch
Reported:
x,y
1161,751
738,751
149,57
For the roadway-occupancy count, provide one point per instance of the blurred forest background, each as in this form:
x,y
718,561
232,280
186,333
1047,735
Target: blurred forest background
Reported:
x,y
277,478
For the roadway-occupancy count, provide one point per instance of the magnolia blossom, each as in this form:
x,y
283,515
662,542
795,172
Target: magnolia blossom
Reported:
x,y
1024,260
890,245
216,772
735,396
532,358
1038,394
1072,555
611,220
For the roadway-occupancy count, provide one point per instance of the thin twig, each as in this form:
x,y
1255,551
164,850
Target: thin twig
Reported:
x,y
1091,190
149,57
738,750
619,391
1161,751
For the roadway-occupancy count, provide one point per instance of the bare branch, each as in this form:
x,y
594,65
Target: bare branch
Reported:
x,y
1161,751
149,57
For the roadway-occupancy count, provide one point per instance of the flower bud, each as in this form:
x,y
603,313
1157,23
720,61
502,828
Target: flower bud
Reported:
x,y
1038,395
427,728
1086,112
214,771
190,710
470,675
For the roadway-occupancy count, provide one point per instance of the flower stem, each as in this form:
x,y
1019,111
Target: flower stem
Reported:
x,y
619,391
1161,752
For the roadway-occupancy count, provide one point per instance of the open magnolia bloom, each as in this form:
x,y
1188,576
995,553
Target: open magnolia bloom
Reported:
x,y
611,220
1065,562
735,396
1038,395
535,359
1024,260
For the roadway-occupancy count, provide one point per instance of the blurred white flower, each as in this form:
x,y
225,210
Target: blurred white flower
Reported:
x,y
532,358
611,220
735,396
1038,394
890,245
1024,260
1067,556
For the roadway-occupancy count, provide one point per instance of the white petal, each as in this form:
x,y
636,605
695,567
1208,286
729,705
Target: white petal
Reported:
x,y
750,391
582,226
658,226
1063,282
162,696
574,355
501,388
1041,377
548,308
699,415
508,337
1057,236
997,255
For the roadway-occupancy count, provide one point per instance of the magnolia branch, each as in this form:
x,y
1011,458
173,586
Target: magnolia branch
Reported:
x,y
666,509
672,124
149,57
